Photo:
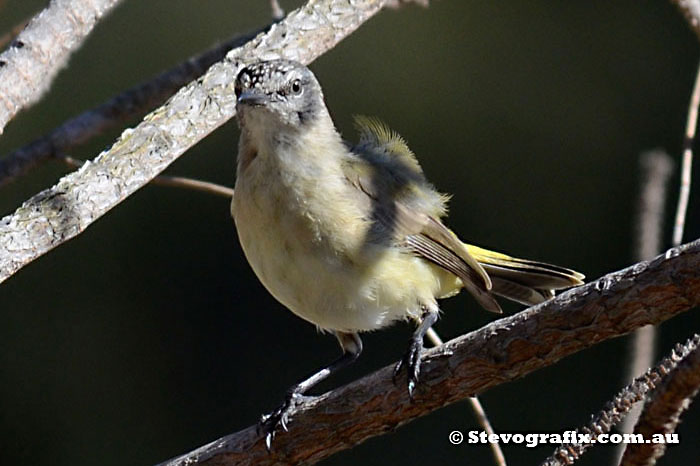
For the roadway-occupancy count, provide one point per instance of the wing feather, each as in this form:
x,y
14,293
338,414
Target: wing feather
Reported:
x,y
406,208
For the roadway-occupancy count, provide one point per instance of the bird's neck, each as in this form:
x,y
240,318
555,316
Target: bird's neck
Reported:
x,y
307,149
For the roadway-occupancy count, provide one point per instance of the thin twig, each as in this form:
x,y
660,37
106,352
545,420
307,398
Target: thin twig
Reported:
x,y
478,409
197,185
500,352
609,416
173,181
687,166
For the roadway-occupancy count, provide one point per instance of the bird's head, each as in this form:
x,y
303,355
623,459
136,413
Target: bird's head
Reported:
x,y
278,93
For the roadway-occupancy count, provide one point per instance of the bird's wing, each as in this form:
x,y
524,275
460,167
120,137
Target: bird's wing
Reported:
x,y
406,209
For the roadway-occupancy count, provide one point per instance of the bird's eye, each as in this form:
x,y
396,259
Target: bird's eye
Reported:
x,y
296,87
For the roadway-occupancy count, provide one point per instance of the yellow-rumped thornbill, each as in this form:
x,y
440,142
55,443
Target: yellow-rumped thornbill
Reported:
x,y
351,237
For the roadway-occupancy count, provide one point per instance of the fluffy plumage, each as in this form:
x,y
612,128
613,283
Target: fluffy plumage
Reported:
x,y
351,238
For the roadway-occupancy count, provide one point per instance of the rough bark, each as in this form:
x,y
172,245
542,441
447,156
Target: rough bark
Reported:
x,y
507,349
28,66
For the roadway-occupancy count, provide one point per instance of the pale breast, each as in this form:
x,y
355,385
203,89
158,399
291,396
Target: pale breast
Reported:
x,y
306,240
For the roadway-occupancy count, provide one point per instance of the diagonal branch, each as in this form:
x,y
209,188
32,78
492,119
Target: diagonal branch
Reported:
x,y
28,67
507,349
621,405
60,213
128,104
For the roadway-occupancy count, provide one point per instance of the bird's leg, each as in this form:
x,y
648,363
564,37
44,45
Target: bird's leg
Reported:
x,y
411,360
269,423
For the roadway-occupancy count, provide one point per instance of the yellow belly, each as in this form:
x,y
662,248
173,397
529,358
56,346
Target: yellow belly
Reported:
x,y
362,288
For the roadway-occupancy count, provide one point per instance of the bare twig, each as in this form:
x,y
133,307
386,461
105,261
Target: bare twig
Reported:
x,y
606,419
498,457
197,185
687,166
130,103
28,67
479,411
656,169
65,210
174,181
502,351
663,411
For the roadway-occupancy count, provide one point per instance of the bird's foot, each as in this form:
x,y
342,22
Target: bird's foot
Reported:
x,y
270,423
411,362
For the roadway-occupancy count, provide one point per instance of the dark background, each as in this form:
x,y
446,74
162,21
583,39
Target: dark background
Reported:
x,y
149,335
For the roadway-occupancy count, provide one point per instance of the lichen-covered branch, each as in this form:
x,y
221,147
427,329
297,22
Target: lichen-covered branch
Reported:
x,y
34,58
507,349
126,105
60,213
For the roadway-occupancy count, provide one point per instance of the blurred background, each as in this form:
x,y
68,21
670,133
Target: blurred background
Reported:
x,y
149,335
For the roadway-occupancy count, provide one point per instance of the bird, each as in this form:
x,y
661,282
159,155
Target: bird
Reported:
x,y
352,238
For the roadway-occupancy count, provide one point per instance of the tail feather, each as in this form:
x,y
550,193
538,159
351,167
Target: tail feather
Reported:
x,y
524,281
519,293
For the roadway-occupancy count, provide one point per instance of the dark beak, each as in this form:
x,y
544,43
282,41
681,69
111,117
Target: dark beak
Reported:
x,y
253,98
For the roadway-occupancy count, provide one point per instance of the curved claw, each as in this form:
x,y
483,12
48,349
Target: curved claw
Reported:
x,y
268,440
411,361
270,423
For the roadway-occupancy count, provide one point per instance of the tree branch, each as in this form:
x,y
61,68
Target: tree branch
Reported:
x,y
663,410
128,104
507,349
28,67
615,410
687,164
60,213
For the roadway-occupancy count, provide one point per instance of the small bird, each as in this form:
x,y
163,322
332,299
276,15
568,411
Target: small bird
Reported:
x,y
351,238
